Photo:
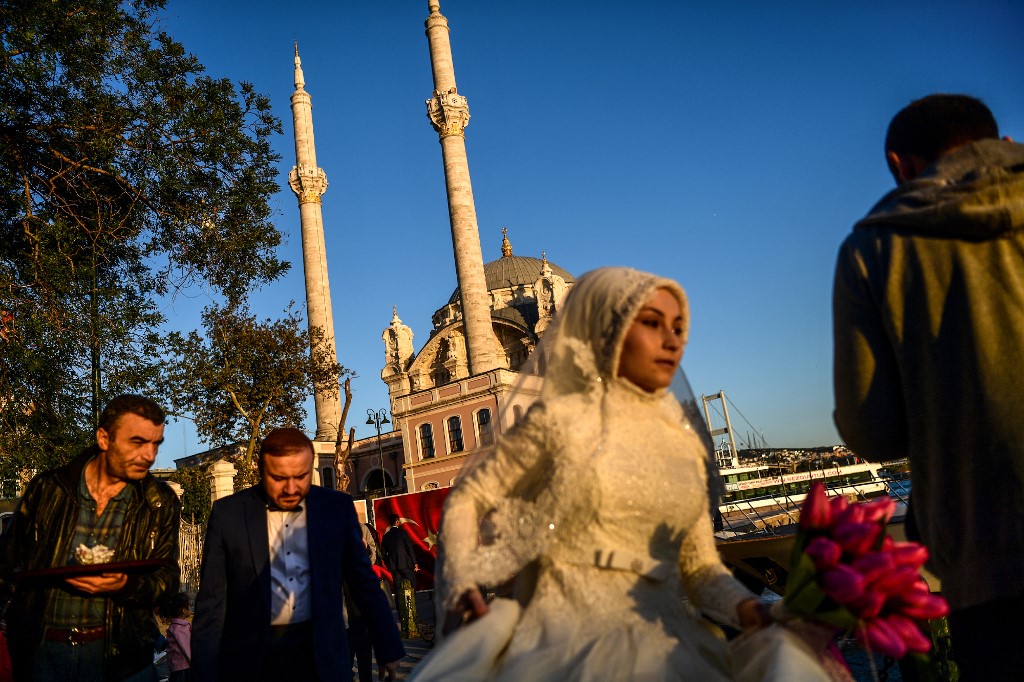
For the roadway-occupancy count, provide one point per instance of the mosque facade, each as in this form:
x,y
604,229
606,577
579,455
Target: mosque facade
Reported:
x,y
451,398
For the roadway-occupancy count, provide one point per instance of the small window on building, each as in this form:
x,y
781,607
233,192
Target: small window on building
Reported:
x,y
431,485
328,478
455,434
484,435
426,441
517,413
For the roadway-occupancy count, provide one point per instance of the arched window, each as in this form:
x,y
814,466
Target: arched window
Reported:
x,y
426,441
328,478
454,434
484,434
517,414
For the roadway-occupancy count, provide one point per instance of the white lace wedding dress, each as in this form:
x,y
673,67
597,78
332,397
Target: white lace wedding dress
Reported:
x,y
597,504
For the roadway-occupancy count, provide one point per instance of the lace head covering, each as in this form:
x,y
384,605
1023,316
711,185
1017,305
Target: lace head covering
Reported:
x,y
582,348
581,352
577,361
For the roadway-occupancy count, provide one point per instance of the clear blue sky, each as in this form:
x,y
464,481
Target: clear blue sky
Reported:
x,y
728,145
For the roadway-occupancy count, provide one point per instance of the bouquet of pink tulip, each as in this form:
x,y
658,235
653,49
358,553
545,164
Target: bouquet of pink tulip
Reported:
x,y
848,573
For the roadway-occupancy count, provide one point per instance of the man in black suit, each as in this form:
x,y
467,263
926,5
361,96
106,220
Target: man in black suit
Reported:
x,y
400,560
275,559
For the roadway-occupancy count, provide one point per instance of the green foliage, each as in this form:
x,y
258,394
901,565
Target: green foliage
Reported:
x,y
244,376
126,175
195,497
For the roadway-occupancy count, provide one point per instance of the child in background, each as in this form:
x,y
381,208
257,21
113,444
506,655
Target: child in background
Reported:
x,y
179,637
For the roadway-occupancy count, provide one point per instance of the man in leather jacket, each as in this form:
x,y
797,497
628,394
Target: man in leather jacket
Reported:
x,y
94,626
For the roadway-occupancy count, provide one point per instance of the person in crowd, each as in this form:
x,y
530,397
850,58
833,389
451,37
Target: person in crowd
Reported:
x,y
103,507
276,556
179,637
370,540
928,311
400,560
596,504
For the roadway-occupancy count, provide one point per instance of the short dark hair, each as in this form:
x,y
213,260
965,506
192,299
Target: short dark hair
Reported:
x,y
176,605
130,404
393,519
932,125
286,441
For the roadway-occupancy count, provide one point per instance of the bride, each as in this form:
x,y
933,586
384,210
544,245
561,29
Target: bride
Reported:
x,y
596,503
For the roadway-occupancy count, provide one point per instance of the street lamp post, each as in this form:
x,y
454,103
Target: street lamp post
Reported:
x,y
377,419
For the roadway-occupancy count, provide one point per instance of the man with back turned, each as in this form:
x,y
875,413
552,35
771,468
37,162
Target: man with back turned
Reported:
x,y
929,344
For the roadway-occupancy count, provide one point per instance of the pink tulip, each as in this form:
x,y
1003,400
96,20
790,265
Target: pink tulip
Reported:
x,y
879,510
825,553
867,605
851,513
909,554
922,605
837,505
882,638
842,583
815,513
874,565
857,538
917,642
897,582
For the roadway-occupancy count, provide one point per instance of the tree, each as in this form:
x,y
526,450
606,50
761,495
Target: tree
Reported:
x,y
195,497
342,445
245,377
126,177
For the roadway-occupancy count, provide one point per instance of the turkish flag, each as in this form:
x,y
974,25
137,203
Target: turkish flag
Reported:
x,y
420,518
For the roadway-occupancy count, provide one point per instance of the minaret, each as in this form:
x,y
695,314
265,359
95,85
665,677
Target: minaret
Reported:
x,y
449,114
309,183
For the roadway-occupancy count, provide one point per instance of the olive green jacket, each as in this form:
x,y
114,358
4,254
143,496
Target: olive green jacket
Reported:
x,y
39,537
928,313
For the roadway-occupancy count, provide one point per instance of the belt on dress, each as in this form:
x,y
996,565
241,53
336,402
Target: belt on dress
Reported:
x,y
619,560
74,636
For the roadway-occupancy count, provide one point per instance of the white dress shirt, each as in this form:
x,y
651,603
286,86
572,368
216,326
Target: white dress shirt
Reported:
x,y
290,598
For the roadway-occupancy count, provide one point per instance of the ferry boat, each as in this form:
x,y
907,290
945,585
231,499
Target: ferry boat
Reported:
x,y
751,492
762,496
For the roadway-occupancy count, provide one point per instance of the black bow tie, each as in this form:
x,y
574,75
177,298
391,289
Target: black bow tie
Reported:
x,y
275,508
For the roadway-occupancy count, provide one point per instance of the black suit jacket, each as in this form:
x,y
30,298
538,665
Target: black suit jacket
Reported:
x,y
399,555
231,627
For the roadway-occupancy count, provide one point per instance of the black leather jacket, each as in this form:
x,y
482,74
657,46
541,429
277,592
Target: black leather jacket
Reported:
x,y
39,537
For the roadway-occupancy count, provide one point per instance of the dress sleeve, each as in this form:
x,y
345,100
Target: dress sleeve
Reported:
x,y
490,491
707,581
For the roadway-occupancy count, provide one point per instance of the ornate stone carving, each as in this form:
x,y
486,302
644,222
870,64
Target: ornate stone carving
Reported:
x,y
448,112
309,184
398,348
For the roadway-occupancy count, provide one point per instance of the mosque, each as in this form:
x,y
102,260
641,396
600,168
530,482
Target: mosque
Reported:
x,y
452,397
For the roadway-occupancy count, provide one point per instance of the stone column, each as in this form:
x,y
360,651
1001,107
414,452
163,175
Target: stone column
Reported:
x,y
222,479
309,183
448,112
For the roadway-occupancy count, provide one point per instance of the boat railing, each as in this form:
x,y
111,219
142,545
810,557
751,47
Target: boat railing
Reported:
x,y
753,522
746,519
894,488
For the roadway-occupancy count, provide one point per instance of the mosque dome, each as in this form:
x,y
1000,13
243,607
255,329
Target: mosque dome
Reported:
x,y
509,272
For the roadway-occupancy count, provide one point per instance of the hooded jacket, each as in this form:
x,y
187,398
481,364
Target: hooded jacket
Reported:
x,y
928,313
40,537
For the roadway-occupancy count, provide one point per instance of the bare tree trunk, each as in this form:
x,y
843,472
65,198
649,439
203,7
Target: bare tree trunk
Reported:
x,y
341,456
342,449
